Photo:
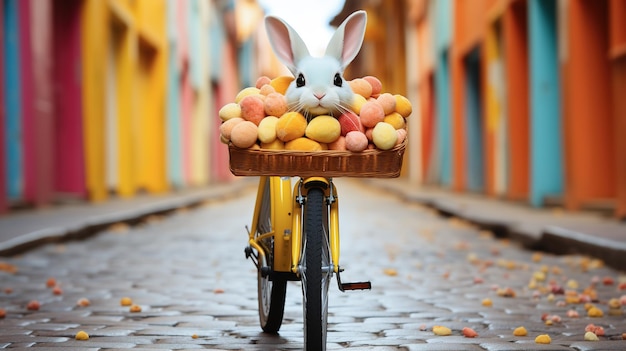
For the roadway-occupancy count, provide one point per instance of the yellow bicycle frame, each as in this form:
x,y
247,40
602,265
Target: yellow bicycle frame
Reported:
x,y
281,209
296,247
286,220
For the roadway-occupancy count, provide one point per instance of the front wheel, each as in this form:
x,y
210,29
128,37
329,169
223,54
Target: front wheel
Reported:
x,y
315,270
271,302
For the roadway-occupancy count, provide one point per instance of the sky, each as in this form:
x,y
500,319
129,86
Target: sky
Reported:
x,y
309,18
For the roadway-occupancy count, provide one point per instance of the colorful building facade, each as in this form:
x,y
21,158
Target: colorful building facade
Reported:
x,y
112,97
521,99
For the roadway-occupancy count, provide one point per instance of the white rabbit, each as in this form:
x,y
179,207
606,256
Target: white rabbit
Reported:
x,y
319,87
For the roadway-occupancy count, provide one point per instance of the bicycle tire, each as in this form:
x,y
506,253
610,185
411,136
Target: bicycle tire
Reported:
x,y
316,273
271,293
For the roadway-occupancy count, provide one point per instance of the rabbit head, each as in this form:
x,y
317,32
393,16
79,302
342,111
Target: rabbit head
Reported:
x,y
319,86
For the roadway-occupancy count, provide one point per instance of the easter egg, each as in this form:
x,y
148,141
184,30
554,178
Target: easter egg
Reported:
x,y
349,122
339,144
403,106
280,84
246,92
277,144
357,103
388,102
303,144
230,110
396,120
371,114
356,141
227,127
252,109
244,134
377,86
261,81
290,126
323,129
275,104
267,129
361,86
384,136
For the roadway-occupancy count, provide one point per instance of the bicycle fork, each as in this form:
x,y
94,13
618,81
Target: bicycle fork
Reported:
x,y
332,202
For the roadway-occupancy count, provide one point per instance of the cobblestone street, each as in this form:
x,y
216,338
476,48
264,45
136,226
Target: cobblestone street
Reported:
x,y
188,274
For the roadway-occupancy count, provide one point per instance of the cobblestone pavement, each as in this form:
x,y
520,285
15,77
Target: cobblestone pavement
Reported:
x,y
188,274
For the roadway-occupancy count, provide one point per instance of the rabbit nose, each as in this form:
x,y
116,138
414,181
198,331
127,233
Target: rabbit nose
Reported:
x,y
319,96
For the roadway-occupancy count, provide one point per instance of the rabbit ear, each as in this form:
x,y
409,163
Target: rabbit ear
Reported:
x,y
285,42
348,38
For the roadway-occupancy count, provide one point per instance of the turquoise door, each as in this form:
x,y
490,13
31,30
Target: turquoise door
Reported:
x,y
546,155
473,123
12,98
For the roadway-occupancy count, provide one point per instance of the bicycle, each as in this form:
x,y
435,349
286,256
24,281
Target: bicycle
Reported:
x,y
295,237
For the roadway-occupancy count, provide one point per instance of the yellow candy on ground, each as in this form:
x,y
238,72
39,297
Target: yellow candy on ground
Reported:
x,y
543,339
591,336
520,331
247,92
595,312
81,335
441,330
403,106
280,84
323,129
229,111
303,144
126,301
290,126
267,129
384,136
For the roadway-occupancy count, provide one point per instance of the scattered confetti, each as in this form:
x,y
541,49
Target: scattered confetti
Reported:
x,y
543,339
81,335
8,268
595,312
33,305
520,331
51,282
441,330
596,329
83,302
487,302
194,336
218,291
3,313
469,332
135,308
126,301
589,336
390,272
57,290
572,314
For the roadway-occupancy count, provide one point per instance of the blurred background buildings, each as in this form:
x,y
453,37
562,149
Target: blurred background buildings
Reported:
x,y
523,100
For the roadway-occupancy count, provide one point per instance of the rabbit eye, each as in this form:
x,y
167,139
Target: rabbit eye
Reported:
x,y
338,81
300,80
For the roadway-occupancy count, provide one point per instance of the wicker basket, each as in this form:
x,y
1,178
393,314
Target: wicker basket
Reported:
x,y
366,164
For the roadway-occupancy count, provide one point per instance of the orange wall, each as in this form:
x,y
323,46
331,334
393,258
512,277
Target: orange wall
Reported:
x,y
589,147
617,10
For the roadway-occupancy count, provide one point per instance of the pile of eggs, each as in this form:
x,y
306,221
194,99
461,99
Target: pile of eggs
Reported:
x,y
259,118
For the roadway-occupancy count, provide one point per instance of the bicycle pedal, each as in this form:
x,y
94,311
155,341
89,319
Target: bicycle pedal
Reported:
x,y
356,286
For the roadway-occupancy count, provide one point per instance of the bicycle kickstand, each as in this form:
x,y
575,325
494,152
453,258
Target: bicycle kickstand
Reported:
x,y
352,286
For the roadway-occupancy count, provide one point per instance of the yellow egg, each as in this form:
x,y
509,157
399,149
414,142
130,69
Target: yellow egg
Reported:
x,y
280,84
403,106
303,144
267,129
384,136
396,120
246,92
81,335
229,111
323,129
357,103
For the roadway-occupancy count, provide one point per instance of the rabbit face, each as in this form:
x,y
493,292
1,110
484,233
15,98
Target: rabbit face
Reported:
x,y
319,87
